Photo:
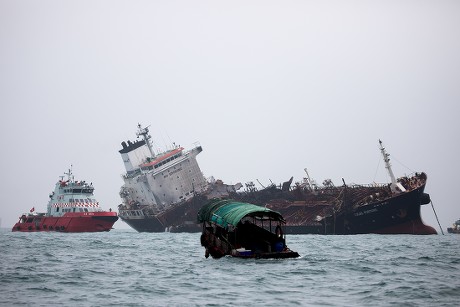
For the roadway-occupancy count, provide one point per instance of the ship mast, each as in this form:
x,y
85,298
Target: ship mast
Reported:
x,y
69,174
144,132
394,184
309,181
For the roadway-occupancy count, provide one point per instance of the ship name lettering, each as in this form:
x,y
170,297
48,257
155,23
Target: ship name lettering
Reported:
x,y
365,212
370,211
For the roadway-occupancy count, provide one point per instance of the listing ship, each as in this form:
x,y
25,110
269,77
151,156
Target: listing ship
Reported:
x,y
72,208
164,192
455,227
308,208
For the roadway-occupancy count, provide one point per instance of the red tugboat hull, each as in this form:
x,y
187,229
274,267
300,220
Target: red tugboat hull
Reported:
x,y
70,222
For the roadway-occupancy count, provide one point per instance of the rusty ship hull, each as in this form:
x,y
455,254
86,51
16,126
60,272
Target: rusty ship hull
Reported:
x,y
341,210
355,209
163,191
396,215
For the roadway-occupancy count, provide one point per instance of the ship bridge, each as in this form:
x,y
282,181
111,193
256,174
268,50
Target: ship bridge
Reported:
x,y
166,158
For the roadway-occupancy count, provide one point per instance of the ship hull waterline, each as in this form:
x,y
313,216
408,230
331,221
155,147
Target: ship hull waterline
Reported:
x,y
71,222
397,215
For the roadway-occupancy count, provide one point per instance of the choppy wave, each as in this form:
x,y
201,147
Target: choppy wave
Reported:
x,y
126,268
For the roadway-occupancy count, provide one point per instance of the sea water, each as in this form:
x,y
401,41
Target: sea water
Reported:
x,y
126,268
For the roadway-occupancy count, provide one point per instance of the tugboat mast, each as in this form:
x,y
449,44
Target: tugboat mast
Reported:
x,y
69,174
144,132
394,183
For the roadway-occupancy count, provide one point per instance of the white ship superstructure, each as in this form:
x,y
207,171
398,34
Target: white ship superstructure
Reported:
x,y
159,180
72,196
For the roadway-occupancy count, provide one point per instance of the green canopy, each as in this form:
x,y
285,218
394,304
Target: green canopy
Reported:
x,y
230,212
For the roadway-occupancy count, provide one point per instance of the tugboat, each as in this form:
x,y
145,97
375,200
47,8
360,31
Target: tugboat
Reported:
x,y
72,208
242,230
455,227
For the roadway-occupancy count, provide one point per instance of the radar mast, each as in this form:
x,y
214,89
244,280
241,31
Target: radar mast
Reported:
x,y
386,159
69,174
144,132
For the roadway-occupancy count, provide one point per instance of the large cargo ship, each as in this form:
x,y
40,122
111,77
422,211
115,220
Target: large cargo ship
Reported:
x,y
164,191
72,208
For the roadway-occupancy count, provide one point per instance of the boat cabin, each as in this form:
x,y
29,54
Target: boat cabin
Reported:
x,y
72,196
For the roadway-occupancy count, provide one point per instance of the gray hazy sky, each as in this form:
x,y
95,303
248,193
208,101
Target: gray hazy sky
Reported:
x,y
267,88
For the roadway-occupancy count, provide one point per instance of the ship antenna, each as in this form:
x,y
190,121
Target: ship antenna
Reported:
x,y
69,174
386,159
144,132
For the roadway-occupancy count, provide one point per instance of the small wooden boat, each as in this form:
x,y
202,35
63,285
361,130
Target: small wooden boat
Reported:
x,y
242,230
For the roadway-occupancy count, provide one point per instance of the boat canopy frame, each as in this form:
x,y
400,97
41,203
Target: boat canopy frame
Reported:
x,y
226,213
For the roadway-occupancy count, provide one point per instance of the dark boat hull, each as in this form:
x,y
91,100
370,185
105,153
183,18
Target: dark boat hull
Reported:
x,y
181,218
396,215
153,224
71,222
145,224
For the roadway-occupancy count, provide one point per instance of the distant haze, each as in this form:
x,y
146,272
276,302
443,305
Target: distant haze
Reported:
x,y
268,88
